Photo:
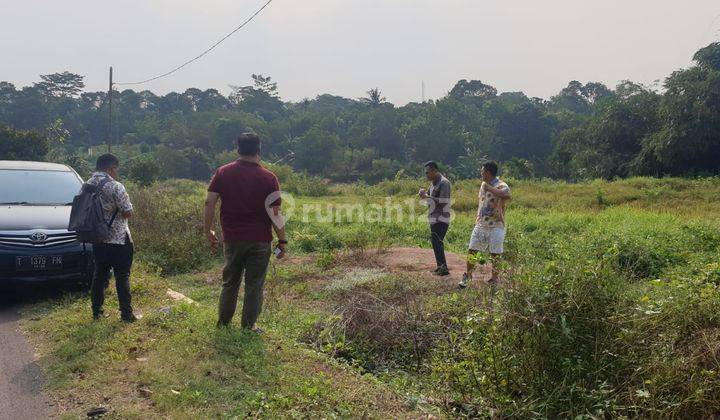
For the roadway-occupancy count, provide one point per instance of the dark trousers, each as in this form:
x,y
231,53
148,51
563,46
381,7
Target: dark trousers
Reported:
x,y
250,258
120,259
438,231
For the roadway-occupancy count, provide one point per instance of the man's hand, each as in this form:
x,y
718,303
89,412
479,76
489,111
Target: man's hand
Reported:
x,y
502,194
281,247
212,239
422,193
209,219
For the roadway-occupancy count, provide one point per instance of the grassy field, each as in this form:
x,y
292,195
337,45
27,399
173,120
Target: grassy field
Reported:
x,y
610,307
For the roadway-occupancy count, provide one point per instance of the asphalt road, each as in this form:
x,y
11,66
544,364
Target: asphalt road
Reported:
x,y
21,380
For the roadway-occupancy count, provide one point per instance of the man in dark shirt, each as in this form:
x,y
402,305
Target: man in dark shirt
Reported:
x,y
249,211
438,199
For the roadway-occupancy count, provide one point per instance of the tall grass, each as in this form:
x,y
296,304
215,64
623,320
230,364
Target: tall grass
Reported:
x,y
611,305
167,227
609,314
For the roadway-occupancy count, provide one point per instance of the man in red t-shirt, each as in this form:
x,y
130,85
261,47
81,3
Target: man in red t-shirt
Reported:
x,y
249,211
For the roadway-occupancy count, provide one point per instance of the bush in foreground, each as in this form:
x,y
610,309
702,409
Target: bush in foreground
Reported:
x,y
168,228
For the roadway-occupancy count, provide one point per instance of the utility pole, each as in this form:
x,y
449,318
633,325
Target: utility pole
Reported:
x,y
423,91
110,89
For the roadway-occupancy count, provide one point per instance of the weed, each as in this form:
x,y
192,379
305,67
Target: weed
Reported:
x,y
609,310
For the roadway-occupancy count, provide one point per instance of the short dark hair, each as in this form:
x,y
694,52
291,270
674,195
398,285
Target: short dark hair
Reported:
x,y
432,165
106,161
248,144
491,166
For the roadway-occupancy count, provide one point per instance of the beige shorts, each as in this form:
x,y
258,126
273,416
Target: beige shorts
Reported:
x,y
487,239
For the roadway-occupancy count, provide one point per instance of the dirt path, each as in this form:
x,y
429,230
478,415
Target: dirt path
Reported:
x,y
421,260
413,260
21,384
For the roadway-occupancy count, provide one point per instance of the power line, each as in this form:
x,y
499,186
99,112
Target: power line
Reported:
x,y
203,53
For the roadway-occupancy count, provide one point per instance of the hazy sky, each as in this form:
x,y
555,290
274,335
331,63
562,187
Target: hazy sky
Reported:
x,y
345,47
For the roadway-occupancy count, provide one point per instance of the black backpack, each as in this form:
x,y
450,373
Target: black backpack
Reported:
x,y
87,217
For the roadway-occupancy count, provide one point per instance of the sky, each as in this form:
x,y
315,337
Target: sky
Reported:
x,y
346,47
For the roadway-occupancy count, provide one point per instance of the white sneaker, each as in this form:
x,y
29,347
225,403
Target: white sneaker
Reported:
x,y
465,281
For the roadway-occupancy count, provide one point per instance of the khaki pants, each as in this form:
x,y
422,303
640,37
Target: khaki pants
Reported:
x,y
250,258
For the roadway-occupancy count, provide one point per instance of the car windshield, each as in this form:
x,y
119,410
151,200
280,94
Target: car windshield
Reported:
x,y
38,188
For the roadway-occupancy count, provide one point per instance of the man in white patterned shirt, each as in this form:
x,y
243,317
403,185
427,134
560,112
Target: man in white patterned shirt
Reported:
x,y
488,236
116,252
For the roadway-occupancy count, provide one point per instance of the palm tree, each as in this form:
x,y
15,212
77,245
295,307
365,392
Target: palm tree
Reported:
x,y
374,98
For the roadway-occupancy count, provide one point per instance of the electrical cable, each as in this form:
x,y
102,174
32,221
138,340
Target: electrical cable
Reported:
x,y
212,47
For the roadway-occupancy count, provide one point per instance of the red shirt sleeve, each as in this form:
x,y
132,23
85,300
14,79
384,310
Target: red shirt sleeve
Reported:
x,y
275,188
215,183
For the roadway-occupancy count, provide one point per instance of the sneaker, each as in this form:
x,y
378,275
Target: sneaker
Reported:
x,y
254,330
442,271
98,314
130,318
465,282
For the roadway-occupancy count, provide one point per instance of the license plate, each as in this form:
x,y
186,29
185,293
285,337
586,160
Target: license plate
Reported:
x,y
38,263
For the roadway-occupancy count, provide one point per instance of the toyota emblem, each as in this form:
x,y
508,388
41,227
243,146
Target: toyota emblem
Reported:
x,y
38,237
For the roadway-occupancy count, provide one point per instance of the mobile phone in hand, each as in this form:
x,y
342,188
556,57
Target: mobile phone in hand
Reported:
x,y
277,252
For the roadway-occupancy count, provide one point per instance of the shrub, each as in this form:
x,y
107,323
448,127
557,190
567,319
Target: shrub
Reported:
x,y
168,232
631,253
408,187
555,315
80,164
669,350
143,169
606,311
299,183
22,145
382,169
380,321
519,169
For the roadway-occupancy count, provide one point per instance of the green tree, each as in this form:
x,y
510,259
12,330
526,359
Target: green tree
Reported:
x,y
709,57
143,169
172,162
382,169
317,151
265,84
519,169
201,166
579,98
474,91
377,128
22,145
260,99
329,103
62,85
79,164
374,98
586,130
28,110
688,140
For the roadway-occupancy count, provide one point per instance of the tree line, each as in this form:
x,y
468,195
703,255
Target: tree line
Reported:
x,y
584,131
